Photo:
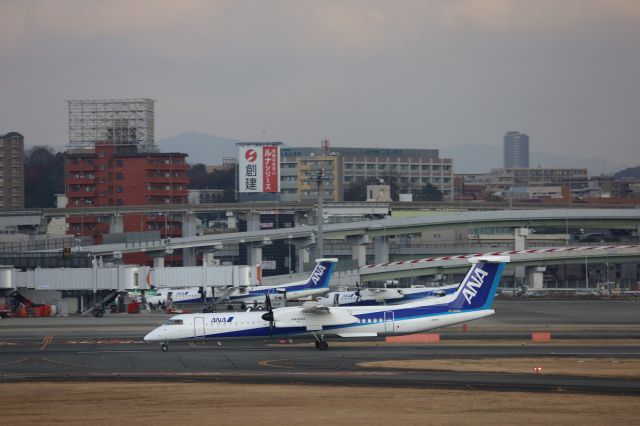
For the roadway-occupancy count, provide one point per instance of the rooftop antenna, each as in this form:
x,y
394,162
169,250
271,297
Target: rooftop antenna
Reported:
x,y
325,147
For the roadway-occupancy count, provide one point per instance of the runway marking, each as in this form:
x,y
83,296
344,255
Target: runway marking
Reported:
x,y
593,353
68,364
13,362
274,362
111,352
10,344
46,341
102,342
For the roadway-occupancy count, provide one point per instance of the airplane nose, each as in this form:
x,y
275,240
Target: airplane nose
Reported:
x,y
154,336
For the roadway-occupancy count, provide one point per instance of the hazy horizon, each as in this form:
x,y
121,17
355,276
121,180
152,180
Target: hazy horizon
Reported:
x,y
414,74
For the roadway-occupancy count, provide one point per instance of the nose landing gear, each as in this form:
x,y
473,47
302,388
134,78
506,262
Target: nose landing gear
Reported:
x,y
164,347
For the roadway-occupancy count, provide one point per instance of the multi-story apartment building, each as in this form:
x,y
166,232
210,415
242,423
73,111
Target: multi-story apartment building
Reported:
x,y
308,174
112,175
412,169
11,171
503,179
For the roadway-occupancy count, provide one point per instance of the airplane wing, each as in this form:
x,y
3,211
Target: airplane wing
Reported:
x,y
312,316
380,294
314,308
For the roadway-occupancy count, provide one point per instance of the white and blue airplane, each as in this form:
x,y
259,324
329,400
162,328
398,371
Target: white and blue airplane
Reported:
x,y
316,284
179,296
383,296
472,300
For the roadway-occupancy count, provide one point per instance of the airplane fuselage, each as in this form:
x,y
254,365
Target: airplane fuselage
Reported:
x,y
369,322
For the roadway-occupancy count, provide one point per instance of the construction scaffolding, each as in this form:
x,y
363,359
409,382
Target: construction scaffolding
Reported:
x,y
112,121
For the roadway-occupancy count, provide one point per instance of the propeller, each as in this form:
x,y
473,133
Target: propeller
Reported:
x,y
269,315
357,293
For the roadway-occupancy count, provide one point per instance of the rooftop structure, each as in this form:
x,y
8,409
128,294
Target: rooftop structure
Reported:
x,y
112,121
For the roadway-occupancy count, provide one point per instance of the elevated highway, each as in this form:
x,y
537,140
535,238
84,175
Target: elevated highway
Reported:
x,y
374,229
301,206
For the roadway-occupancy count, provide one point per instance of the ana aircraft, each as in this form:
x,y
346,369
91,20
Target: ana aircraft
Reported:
x,y
383,296
472,300
316,284
178,296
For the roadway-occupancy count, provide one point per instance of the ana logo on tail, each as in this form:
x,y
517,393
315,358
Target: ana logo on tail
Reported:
x,y
475,282
317,274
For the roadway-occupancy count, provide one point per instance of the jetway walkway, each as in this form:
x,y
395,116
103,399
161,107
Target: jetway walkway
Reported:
x,y
532,257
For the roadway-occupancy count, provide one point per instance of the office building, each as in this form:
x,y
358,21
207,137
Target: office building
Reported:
x,y
516,150
412,169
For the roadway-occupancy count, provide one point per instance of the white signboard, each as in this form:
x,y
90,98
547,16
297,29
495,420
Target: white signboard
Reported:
x,y
268,264
259,168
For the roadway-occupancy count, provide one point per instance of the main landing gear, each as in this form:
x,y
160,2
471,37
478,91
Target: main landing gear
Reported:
x,y
164,347
321,344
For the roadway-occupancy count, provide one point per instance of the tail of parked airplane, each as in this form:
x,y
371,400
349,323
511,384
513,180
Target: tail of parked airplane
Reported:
x,y
321,274
478,288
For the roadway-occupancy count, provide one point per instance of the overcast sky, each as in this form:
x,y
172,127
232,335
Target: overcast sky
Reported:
x,y
426,74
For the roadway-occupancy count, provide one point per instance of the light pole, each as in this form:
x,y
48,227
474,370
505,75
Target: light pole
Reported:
x,y
290,259
320,177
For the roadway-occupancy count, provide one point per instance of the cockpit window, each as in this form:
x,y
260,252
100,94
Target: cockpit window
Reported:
x,y
173,322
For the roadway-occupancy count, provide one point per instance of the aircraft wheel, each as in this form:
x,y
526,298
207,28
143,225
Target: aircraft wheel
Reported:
x,y
324,346
205,310
243,307
164,347
230,308
317,345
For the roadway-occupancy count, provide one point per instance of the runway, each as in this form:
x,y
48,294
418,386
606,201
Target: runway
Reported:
x,y
111,348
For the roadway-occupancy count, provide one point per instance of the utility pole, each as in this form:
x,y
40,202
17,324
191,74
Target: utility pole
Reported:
x,y
319,179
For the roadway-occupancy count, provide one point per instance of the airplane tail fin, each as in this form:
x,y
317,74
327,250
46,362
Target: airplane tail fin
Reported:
x,y
479,286
322,273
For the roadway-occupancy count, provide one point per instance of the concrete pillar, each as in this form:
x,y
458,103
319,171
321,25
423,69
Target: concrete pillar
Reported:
x,y
520,238
359,253
189,256
303,257
116,224
189,225
254,254
381,249
208,253
232,222
253,221
158,261
535,275
359,249
520,243
189,229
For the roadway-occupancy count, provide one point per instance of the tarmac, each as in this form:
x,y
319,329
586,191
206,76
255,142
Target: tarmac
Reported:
x,y
111,348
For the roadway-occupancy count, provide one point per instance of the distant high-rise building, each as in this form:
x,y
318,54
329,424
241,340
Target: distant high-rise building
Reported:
x,y
11,171
516,150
